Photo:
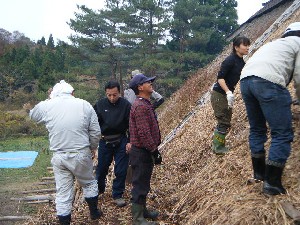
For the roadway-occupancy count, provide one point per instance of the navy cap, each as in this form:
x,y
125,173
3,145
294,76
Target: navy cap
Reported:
x,y
140,79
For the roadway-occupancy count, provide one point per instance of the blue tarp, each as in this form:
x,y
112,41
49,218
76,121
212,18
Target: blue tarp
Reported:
x,y
18,159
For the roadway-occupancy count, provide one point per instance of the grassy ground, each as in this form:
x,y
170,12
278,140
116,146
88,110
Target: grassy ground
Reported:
x,y
14,181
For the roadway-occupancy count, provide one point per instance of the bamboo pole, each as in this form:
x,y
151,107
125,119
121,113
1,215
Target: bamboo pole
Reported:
x,y
48,178
38,202
35,197
39,191
46,183
14,218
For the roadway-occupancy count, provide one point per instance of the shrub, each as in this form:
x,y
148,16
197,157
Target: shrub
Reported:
x,y
17,125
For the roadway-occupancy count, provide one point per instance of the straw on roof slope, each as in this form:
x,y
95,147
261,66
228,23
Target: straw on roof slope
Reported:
x,y
194,186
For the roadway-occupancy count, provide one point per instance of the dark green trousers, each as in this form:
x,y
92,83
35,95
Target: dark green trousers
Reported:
x,y
222,112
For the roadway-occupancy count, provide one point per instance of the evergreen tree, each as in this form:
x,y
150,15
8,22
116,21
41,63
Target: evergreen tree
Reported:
x,y
147,27
60,56
21,54
126,34
50,43
4,40
37,58
28,69
4,91
42,41
199,30
99,35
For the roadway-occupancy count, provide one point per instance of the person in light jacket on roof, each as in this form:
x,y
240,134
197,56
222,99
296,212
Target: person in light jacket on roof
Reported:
x,y
263,86
222,97
74,134
131,96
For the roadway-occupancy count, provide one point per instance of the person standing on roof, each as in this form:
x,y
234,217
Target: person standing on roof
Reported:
x,y
130,95
145,139
113,116
222,97
74,135
264,82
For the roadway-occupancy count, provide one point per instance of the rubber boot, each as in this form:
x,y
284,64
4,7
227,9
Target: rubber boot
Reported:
x,y
93,206
64,220
218,145
150,214
272,183
138,217
259,165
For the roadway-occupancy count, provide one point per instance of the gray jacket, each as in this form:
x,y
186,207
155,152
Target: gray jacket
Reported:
x,y
277,61
72,123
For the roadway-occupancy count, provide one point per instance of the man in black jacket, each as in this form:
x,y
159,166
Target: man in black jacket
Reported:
x,y
113,116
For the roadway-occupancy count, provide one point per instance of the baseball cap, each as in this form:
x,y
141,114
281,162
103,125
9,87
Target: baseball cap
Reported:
x,y
292,27
140,79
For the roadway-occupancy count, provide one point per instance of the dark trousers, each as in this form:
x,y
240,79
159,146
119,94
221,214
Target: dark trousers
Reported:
x,y
267,102
142,167
105,157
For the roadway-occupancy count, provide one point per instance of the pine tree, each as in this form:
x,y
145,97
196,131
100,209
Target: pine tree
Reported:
x,y
50,43
147,27
98,35
42,41
199,30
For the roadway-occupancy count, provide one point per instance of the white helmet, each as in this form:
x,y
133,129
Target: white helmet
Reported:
x,y
292,27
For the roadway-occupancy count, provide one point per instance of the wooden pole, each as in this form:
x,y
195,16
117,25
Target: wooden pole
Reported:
x,y
48,178
38,202
40,191
45,183
14,218
291,210
35,197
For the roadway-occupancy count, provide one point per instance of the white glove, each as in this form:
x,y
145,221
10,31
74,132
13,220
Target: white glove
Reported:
x,y
230,99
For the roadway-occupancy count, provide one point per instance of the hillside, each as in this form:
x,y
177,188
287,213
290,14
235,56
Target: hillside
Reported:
x,y
194,186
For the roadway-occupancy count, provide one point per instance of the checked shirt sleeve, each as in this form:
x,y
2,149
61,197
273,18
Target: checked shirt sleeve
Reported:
x,y
145,120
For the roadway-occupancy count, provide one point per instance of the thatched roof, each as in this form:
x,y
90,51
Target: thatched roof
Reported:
x,y
268,6
194,186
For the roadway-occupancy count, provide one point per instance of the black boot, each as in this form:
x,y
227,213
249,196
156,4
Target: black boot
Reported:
x,y
259,165
150,214
272,183
93,206
64,220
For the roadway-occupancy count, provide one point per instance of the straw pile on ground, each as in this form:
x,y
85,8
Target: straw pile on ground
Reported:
x,y
194,186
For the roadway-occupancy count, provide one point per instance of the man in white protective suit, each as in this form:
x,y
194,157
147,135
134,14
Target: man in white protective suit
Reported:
x,y
74,134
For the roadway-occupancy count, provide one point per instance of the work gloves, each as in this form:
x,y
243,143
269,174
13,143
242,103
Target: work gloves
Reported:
x,y
156,104
230,99
156,156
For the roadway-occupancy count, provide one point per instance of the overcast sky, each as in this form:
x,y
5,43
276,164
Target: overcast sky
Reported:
x,y
37,18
